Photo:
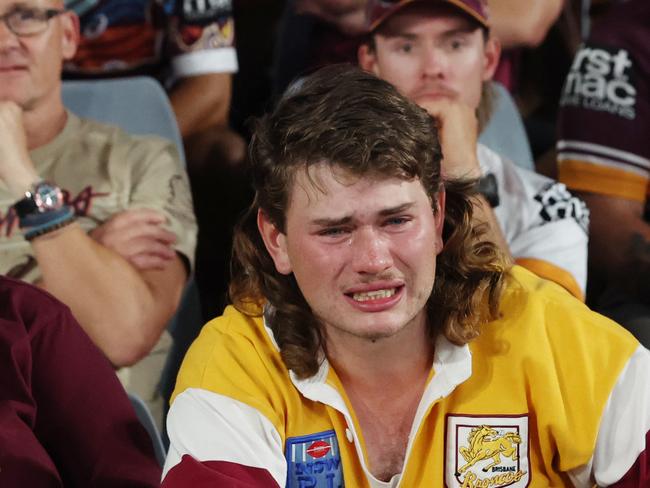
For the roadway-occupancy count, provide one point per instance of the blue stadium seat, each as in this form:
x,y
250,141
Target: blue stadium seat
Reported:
x,y
505,132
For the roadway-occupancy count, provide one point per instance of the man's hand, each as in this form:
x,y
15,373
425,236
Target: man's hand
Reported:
x,y
139,237
458,137
16,168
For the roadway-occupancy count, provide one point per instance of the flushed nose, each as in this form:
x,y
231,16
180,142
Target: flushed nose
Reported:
x,y
371,253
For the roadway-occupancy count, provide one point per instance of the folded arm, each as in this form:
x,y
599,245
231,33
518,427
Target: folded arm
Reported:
x,y
122,309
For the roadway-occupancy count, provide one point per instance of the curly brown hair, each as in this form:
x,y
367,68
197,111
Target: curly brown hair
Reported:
x,y
362,125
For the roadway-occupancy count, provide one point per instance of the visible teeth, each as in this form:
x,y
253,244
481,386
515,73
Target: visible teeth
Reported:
x,y
373,295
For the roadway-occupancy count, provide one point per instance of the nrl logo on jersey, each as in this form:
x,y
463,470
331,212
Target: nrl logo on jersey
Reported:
x,y
486,451
314,461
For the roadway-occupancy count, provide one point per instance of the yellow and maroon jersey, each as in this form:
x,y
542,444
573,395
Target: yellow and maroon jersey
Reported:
x,y
551,394
604,117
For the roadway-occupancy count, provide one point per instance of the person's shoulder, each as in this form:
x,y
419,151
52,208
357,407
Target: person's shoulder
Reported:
x,y
539,316
504,169
232,350
113,134
110,142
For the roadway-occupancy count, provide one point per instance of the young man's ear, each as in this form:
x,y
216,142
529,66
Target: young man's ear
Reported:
x,y
367,58
491,57
275,242
70,34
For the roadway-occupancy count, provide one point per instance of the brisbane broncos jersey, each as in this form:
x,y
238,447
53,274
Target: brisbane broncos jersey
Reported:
x,y
550,394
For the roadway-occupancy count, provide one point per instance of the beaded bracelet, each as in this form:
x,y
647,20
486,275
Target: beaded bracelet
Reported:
x,y
55,220
38,219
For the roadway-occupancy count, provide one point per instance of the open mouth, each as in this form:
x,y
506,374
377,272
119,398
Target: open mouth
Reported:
x,y
376,300
374,295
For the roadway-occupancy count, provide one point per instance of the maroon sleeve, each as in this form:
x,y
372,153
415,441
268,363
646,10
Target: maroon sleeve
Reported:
x,y
190,472
84,418
638,475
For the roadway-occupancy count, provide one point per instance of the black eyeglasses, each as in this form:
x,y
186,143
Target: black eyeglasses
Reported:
x,y
28,21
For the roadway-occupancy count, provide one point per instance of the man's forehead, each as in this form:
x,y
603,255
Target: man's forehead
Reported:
x,y
314,179
314,184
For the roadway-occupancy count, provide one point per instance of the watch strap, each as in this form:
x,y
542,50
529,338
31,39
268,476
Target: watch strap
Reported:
x,y
56,219
26,205
488,187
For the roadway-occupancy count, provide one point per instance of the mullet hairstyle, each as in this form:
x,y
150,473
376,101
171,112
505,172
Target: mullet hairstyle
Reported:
x,y
360,124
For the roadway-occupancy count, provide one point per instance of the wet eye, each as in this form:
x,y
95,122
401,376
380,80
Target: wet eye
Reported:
x,y
396,221
332,232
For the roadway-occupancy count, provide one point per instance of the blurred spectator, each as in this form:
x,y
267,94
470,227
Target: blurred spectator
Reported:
x,y
440,54
65,419
604,155
190,48
100,219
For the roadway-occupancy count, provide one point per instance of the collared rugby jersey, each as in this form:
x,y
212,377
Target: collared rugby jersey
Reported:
x,y
552,394
604,119
544,225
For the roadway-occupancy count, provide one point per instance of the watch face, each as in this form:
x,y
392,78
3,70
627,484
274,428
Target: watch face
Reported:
x,y
47,197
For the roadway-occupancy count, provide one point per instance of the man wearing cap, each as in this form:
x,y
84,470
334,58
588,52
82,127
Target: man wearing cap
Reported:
x,y
378,339
440,54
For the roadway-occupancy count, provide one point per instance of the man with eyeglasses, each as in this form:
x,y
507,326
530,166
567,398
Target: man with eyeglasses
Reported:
x,y
100,219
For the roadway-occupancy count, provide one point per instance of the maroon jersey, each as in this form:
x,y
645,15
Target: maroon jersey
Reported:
x,y
604,123
64,417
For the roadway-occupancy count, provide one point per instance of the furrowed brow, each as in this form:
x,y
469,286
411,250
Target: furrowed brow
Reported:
x,y
396,210
331,222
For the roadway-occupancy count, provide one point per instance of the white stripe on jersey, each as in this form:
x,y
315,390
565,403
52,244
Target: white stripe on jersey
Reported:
x,y
217,60
623,427
213,427
598,149
563,156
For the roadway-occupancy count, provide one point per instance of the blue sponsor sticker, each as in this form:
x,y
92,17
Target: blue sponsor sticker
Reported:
x,y
314,461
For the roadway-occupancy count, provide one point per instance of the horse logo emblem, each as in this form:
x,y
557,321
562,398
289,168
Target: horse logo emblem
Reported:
x,y
486,451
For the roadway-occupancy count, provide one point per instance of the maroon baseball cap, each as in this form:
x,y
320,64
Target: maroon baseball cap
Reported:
x,y
378,11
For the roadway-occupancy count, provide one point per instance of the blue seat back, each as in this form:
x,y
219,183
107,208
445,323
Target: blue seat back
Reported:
x,y
138,104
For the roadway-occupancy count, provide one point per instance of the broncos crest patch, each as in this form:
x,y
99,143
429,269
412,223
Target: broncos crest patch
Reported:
x,y
486,451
